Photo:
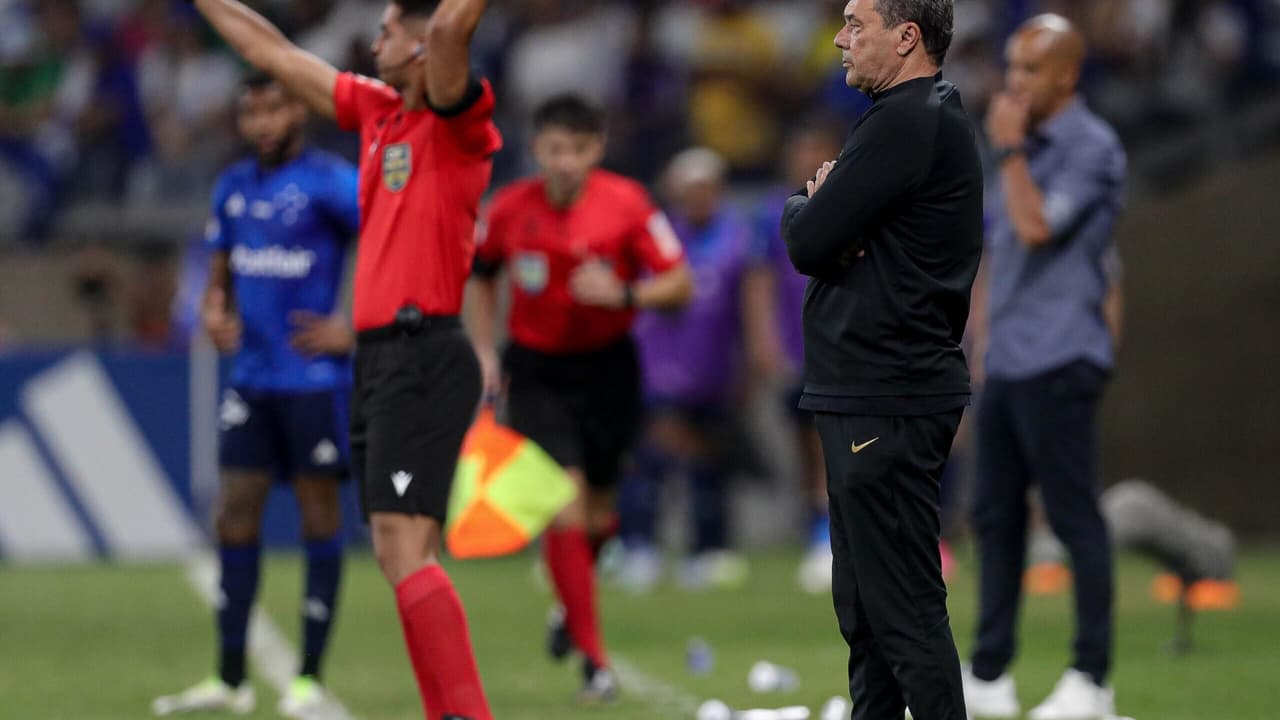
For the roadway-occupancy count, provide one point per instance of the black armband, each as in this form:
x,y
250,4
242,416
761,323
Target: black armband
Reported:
x,y
485,269
473,92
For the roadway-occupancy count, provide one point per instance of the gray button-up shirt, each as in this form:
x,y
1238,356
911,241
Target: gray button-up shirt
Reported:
x,y
1046,303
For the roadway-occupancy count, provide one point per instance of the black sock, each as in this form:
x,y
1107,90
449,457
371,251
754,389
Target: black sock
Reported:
x,y
231,666
238,583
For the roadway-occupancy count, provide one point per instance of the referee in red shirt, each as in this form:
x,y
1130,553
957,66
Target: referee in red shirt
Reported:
x,y
427,139
585,249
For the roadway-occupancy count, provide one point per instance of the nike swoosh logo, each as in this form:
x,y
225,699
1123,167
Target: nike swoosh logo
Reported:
x,y
859,448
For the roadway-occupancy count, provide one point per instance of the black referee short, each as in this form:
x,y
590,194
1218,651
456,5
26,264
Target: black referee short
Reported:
x,y
584,408
416,393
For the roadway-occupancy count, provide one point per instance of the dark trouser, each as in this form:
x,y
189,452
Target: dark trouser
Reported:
x,y
887,584
1041,430
640,498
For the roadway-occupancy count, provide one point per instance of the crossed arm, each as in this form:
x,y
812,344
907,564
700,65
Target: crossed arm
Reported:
x,y
885,159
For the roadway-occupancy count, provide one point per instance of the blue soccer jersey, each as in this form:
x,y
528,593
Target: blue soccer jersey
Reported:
x,y
286,232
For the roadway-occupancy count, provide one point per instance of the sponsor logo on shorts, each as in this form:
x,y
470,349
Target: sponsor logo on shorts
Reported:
x,y
401,479
234,411
397,166
856,448
324,453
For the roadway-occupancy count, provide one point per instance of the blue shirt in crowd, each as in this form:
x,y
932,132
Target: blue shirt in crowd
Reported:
x,y
286,231
1046,302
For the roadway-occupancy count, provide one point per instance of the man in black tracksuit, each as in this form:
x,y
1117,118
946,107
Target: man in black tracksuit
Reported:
x,y
891,234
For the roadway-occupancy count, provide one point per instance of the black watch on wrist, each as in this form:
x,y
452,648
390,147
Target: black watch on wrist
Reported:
x,y
1003,154
628,297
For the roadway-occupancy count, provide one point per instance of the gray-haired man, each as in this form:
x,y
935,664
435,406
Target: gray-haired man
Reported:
x,y
891,234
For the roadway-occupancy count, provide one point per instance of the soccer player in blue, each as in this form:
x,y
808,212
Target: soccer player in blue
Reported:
x,y
279,233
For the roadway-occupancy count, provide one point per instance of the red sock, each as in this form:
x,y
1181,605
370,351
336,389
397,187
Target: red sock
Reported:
x,y
428,690
440,646
609,531
568,555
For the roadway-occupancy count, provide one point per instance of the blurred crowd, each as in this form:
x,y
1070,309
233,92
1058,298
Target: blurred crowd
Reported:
x,y
127,106
130,101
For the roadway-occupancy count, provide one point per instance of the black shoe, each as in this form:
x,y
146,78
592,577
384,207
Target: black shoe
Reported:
x,y
455,717
599,686
559,644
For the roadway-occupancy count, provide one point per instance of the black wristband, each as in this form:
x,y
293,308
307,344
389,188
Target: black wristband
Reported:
x,y
628,297
1004,154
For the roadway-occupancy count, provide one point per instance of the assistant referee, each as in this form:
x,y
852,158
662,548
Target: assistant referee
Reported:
x,y
890,234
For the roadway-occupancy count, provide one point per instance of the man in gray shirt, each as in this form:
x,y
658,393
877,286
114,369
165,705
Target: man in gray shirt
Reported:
x,y
1052,213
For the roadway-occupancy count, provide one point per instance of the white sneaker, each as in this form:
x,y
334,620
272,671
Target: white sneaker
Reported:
x,y
304,699
1076,697
641,570
996,699
718,569
814,574
207,695
599,686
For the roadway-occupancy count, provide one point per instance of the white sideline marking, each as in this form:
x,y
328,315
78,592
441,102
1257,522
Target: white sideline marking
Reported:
x,y
656,693
273,657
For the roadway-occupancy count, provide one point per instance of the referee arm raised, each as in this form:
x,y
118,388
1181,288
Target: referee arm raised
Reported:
x,y
427,140
437,61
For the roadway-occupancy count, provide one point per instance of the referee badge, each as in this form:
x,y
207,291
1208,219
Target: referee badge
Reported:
x,y
397,165
530,272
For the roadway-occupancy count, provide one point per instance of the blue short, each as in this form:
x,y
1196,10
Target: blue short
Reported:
x,y
288,433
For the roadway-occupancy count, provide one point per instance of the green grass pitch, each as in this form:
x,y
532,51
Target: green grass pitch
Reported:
x,y
94,642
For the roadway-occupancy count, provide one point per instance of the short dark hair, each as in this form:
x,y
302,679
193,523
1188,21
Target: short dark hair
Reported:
x,y
936,19
571,112
416,8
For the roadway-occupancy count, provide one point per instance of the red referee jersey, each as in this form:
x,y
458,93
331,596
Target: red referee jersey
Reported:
x,y
612,220
421,177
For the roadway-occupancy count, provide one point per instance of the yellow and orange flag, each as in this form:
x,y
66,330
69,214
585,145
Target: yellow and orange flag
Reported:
x,y
505,492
